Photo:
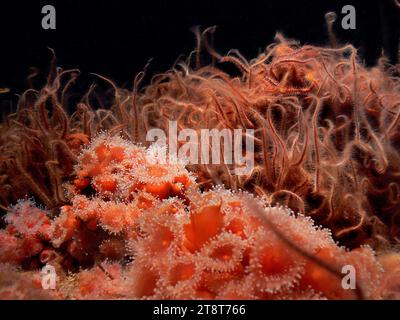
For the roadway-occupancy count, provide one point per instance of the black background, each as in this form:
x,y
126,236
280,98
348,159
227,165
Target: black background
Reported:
x,y
115,38
268,310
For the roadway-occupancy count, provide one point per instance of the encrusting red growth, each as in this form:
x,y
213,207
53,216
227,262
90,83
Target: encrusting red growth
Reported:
x,y
218,249
116,169
139,229
26,234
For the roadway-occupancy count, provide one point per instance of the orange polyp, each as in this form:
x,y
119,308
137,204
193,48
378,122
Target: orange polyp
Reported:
x,y
146,283
390,261
182,272
236,204
255,223
96,170
117,153
236,226
136,186
102,152
112,218
162,239
67,226
203,226
68,209
81,204
215,280
81,183
223,253
91,214
275,260
144,202
321,280
162,191
82,174
71,224
170,210
107,185
176,188
132,213
156,171
87,159
184,180
136,158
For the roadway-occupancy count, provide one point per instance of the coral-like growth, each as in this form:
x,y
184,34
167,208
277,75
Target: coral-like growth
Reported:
x,y
223,250
172,241
22,285
116,169
114,182
390,283
25,236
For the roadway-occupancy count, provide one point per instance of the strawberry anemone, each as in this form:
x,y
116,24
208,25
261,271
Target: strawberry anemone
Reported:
x,y
136,228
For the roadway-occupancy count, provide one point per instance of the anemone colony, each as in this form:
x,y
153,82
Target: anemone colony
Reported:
x,y
117,223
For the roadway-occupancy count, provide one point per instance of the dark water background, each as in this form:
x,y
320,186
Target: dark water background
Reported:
x,y
116,38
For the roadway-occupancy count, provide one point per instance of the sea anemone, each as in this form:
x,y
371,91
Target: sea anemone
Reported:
x,y
215,244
